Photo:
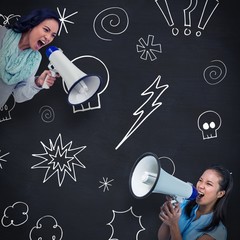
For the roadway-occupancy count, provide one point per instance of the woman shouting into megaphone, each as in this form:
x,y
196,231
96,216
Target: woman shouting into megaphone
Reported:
x,y
204,217
20,57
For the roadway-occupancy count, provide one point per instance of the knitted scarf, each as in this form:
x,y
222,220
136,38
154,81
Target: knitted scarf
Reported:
x,y
15,66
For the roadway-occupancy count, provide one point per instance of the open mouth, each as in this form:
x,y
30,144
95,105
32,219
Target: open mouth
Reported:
x,y
41,43
200,195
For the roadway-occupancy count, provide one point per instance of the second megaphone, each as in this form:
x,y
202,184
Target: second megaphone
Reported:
x,y
81,86
148,177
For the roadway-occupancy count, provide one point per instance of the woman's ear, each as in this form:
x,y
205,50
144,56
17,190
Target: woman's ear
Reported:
x,y
220,194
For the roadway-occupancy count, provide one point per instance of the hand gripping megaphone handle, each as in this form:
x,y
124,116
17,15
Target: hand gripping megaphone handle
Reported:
x,y
53,74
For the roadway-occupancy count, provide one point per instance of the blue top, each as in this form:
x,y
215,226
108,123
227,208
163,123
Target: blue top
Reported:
x,y
190,228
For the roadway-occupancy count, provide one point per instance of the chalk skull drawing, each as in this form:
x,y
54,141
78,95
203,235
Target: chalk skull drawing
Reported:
x,y
5,111
208,123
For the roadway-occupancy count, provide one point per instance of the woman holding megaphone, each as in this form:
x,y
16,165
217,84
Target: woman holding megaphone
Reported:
x,y
204,217
20,57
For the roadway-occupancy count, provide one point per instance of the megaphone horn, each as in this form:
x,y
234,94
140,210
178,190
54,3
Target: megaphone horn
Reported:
x,y
81,86
148,177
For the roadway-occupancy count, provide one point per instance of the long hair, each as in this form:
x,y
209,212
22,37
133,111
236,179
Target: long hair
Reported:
x,y
220,208
35,17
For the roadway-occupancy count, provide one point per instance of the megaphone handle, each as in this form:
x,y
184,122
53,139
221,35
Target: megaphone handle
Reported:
x,y
53,74
176,199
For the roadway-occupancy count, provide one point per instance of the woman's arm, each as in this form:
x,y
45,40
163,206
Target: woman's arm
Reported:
x,y
26,90
206,237
169,215
163,232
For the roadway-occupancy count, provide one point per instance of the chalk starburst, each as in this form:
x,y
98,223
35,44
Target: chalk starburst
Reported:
x,y
59,159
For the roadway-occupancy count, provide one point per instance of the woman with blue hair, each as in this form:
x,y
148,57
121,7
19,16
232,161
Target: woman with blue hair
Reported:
x,y
20,58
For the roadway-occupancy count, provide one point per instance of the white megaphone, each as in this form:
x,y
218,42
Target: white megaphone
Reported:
x,y
81,87
148,177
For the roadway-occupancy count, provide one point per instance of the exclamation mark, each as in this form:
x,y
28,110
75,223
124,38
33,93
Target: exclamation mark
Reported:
x,y
163,6
208,10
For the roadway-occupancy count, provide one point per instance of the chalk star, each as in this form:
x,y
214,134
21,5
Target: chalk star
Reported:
x,y
105,184
63,20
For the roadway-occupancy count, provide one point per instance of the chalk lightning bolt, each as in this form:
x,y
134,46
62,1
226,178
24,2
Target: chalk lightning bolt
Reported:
x,y
140,112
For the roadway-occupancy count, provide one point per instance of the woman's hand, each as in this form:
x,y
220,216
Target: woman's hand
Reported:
x,y
170,213
46,76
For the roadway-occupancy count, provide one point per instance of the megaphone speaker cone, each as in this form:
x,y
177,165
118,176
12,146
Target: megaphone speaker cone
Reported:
x,y
83,89
144,175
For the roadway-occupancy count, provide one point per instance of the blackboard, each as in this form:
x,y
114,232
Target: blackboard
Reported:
x,y
164,69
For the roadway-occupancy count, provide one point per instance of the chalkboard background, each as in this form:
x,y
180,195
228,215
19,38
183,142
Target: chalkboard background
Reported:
x,y
64,170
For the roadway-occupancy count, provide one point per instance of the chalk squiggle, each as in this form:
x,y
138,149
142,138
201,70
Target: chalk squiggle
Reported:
x,y
47,114
110,20
215,73
8,18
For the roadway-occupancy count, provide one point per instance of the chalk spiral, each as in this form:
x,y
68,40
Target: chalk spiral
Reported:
x,y
215,73
110,21
47,114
